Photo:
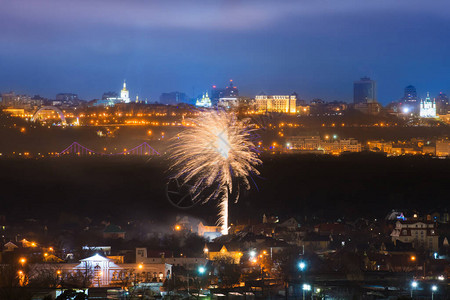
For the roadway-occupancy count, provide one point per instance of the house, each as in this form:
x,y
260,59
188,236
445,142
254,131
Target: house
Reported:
x,y
290,224
217,251
189,263
421,233
209,232
9,246
315,242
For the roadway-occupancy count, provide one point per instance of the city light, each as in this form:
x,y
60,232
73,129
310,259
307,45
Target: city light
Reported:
x,y
177,227
306,287
413,258
201,270
302,265
414,284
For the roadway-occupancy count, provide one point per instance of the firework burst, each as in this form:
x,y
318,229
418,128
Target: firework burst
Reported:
x,y
213,154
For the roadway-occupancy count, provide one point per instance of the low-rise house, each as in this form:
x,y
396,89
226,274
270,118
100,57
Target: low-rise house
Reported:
x,y
421,233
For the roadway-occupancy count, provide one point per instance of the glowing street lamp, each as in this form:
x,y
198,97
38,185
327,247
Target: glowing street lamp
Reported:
x,y
22,260
306,288
434,288
302,266
201,270
414,286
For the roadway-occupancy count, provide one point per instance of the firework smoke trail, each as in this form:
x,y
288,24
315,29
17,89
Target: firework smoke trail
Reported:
x,y
213,152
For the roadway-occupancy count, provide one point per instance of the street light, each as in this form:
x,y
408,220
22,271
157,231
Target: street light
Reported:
x,y
433,290
22,260
414,285
201,270
306,287
302,265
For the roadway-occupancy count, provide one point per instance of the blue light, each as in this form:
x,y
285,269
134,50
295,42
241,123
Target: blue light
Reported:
x,y
202,270
302,265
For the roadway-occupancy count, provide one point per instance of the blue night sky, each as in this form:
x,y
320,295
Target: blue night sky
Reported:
x,y
314,47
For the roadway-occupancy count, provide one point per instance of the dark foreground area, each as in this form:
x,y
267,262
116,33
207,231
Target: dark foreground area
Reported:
x,y
304,186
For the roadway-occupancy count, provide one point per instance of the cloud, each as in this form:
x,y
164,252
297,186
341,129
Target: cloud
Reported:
x,y
197,15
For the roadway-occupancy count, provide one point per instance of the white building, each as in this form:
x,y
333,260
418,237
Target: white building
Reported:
x,y
276,103
428,107
204,101
228,103
421,233
111,101
124,93
103,271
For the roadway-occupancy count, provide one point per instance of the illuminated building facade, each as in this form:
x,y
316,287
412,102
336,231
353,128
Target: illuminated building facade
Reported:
x,y
421,233
189,263
428,107
276,103
204,101
443,147
125,94
106,271
111,101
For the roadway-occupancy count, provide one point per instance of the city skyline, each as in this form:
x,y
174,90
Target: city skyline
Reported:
x,y
191,97
315,49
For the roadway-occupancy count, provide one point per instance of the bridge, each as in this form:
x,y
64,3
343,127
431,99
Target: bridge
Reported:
x,y
53,108
77,149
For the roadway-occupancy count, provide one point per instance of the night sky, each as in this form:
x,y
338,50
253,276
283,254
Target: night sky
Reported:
x,y
314,47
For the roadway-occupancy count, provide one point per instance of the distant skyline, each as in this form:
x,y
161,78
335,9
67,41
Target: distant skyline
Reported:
x,y
315,48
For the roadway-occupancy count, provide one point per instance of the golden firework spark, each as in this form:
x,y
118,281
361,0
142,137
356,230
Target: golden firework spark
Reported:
x,y
211,154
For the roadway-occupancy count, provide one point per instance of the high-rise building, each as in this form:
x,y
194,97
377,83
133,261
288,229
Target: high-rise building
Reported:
x,y
410,95
66,97
231,91
364,91
172,98
276,103
428,107
442,104
9,99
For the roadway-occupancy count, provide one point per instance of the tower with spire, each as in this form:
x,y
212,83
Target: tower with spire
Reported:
x,y
428,107
124,93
